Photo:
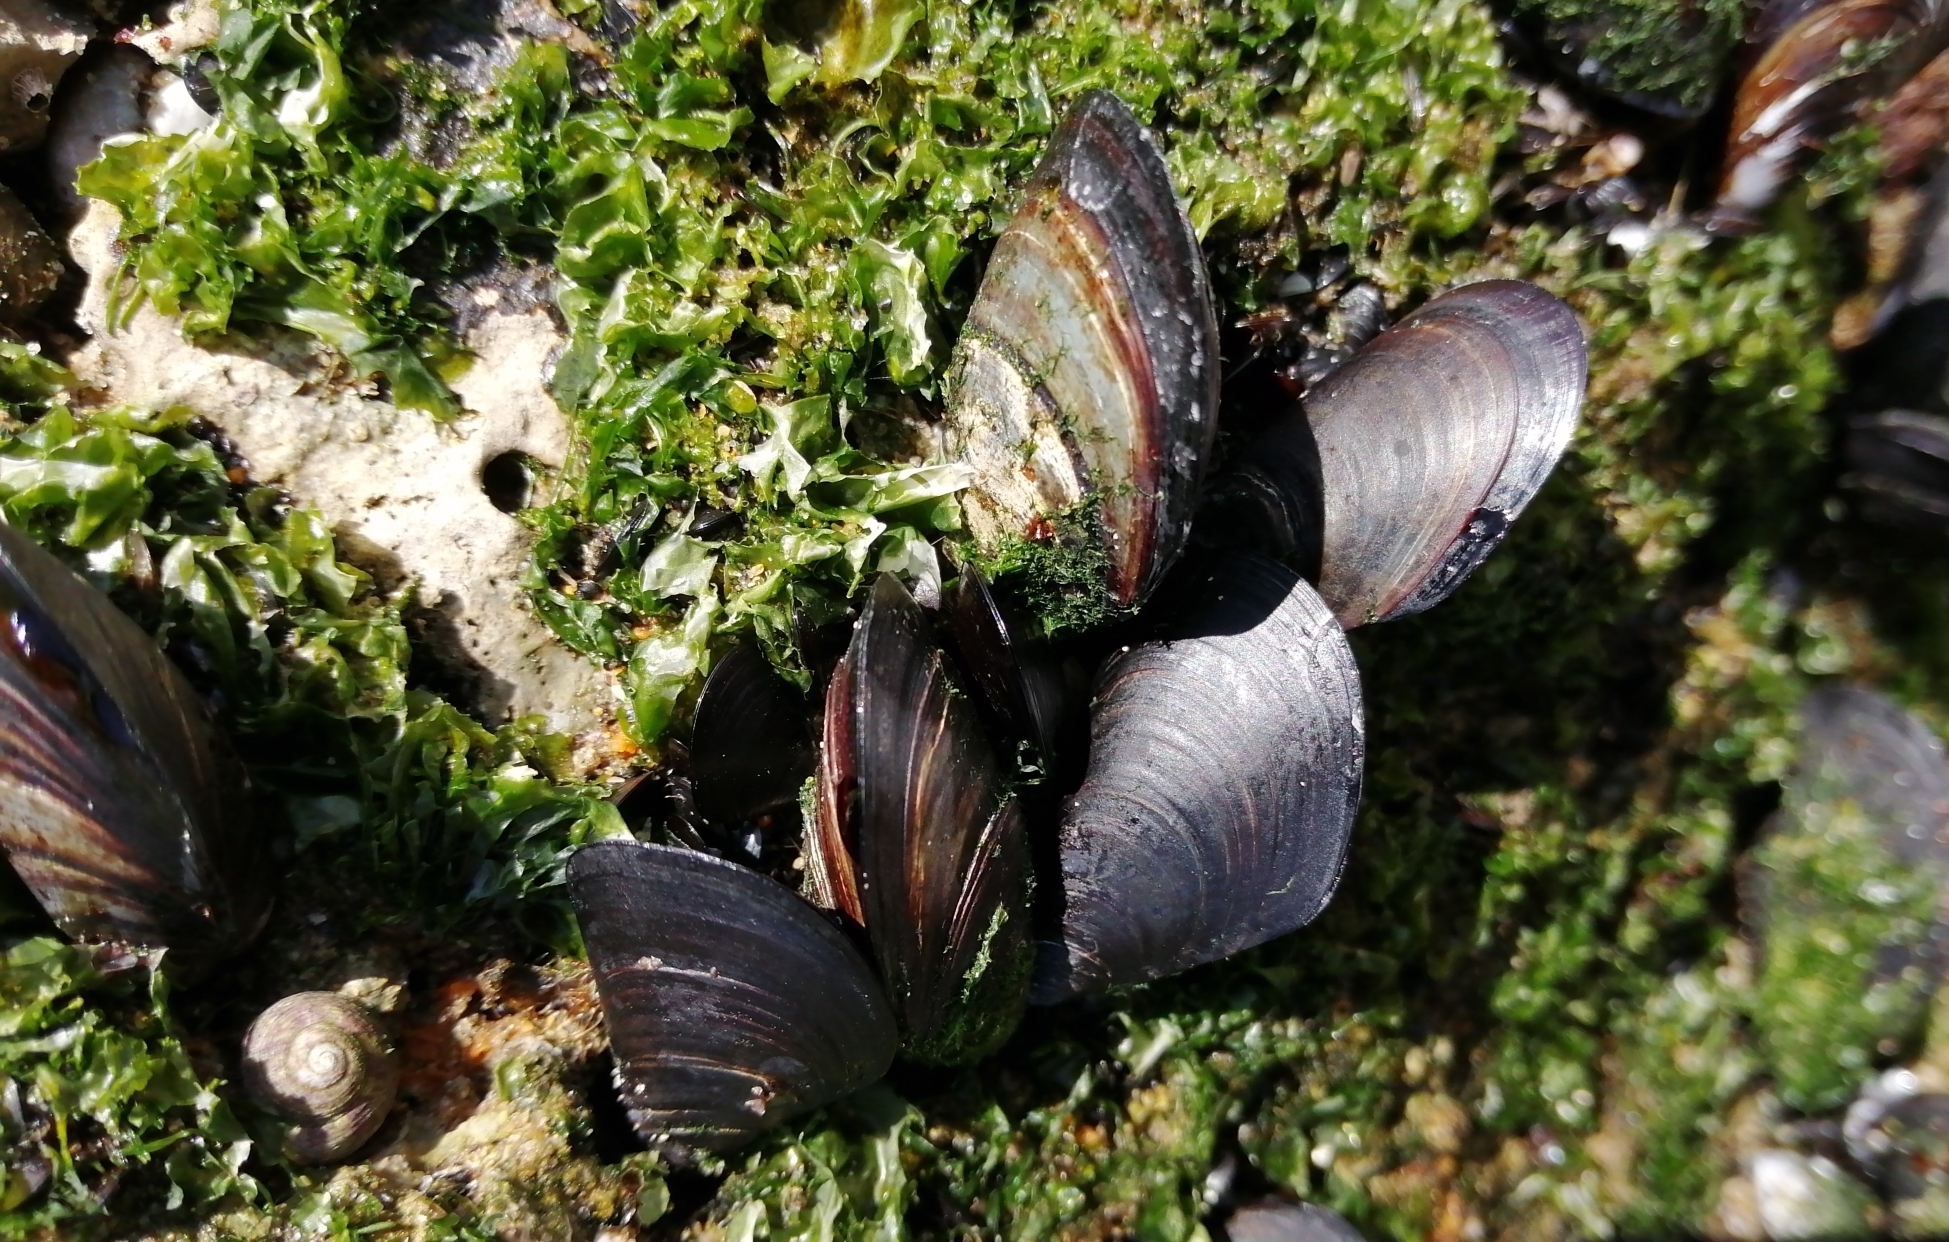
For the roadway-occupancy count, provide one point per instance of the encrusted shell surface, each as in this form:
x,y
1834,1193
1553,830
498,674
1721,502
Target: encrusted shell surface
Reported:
x,y
731,1004
1428,445
1087,374
120,807
1225,768
321,1065
918,839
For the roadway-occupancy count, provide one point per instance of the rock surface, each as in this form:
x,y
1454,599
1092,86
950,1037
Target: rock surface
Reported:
x,y
402,492
38,41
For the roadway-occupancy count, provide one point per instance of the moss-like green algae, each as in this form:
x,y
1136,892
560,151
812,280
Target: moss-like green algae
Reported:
x,y
1525,1012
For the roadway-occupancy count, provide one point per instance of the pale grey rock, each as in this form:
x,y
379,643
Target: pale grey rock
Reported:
x,y
402,492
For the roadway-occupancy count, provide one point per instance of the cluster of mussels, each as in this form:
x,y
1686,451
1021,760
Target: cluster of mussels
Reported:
x,y
1224,754
1224,749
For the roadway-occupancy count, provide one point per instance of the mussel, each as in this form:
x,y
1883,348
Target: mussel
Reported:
x,y
1025,682
731,1004
1276,1220
1844,894
1818,63
1405,468
1084,389
750,747
120,806
1224,772
1898,468
918,840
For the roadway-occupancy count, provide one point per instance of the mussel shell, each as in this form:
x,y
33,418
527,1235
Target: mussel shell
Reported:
x,y
1275,1220
751,744
120,807
1824,62
731,1004
1898,468
1224,772
1429,443
1860,745
922,837
1015,667
1087,374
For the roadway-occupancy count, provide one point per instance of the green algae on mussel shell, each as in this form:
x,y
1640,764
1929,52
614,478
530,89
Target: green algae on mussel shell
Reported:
x,y
1820,63
731,1004
121,808
917,838
1403,470
1224,772
1085,382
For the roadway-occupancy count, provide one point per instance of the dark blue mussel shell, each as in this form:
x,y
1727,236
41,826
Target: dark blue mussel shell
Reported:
x,y
1224,773
731,1004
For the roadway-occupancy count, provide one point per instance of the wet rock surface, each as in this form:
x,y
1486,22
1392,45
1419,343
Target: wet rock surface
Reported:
x,y
404,493
39,41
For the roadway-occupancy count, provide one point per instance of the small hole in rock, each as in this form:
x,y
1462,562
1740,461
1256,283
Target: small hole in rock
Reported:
x,y
507,479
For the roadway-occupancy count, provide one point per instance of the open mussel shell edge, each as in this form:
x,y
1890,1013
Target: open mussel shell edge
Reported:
x,y
122,808
751,744
918,839
1224,774
1085,381
732,1005
1423,449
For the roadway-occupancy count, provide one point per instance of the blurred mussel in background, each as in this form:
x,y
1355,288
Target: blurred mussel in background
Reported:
x,y
1845,902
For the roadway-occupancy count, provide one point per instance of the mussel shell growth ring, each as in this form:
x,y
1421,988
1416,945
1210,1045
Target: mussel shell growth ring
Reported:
x,y
731,1004
1224,773
120,806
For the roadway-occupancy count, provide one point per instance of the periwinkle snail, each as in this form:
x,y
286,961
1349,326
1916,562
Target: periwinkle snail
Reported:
x,y
319,1064
1226,744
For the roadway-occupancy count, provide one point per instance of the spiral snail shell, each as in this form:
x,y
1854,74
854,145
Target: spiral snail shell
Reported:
x,y
319,1062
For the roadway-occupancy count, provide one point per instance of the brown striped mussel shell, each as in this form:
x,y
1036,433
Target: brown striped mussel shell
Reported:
x,y
917,838
1817,64
1084,388
120,806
